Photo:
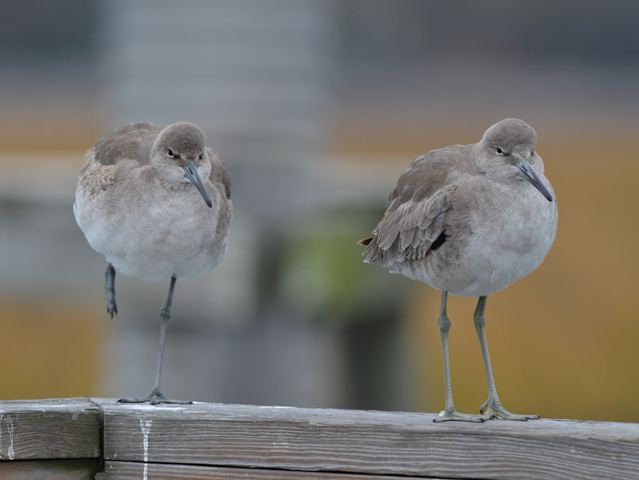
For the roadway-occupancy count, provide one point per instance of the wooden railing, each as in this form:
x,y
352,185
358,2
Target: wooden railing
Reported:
x,y
75,439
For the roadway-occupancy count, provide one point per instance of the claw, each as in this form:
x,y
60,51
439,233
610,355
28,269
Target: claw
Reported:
x,y
492,409
455,416
109,289
155,398
112,308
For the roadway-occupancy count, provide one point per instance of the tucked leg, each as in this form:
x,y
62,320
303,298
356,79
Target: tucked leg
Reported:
x,y
109,290
156,396
449,413
492,408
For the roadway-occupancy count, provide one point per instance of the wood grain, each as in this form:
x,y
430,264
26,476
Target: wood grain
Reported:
x,y
49,429
380,443
224,442
49,470
155,471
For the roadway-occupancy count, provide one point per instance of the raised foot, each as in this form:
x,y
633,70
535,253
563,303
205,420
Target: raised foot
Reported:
x,y
494,410
455,416
155,398
112,308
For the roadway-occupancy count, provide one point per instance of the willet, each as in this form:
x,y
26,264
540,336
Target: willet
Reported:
x,y
470,220
156,202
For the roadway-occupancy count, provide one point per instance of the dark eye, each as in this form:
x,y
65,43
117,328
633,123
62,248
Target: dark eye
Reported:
x,y
500,151
201,156
170,153
532,153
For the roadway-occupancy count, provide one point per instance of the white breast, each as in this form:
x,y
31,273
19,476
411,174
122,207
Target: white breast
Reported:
x,y
156,236
509,240
176,241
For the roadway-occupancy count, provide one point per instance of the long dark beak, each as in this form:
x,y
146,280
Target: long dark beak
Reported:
x,y
529,174
190,172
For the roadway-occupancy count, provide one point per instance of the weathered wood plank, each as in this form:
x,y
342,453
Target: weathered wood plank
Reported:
x,y
49,429
159,471
49,469
380,443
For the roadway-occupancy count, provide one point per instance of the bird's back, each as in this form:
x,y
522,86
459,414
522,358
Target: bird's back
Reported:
x,y
107,164
431,172
131,141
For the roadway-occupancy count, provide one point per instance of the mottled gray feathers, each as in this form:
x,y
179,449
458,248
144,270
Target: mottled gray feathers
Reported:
x,y
219,172
137,204
129,142
416,211
134,141
469,219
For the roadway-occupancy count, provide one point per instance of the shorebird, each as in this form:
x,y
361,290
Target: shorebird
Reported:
x,y
156,202
470,220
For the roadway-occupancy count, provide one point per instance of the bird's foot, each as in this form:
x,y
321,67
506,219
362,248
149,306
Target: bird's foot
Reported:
x,y
493,409
112,307
452,415
109,291
155,398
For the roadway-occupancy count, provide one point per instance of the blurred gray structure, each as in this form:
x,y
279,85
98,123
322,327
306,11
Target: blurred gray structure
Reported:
x,y
252,74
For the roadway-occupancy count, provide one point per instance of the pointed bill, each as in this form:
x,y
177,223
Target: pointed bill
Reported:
x,y
529,174
190,172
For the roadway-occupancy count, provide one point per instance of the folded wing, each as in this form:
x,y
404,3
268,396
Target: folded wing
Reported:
x,y
414,221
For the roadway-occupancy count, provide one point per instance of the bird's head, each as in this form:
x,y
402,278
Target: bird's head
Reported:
x,y
179,155
507,151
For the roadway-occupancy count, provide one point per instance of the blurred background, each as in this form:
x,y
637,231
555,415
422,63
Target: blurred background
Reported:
x,y
317,106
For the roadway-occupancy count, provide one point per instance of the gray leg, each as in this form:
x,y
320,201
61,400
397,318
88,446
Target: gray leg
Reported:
x,y
156,396
492,408
109,290
449,413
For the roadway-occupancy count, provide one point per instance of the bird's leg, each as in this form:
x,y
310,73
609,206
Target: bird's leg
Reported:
x,y
492,408
109,290
449,413
156,396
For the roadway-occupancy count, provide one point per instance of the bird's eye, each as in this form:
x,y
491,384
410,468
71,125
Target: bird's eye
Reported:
x,y
532,153
500,151
170,153
201,156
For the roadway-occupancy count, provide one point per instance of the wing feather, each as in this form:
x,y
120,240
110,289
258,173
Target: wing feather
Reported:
x,y
416,213
132,141
219,172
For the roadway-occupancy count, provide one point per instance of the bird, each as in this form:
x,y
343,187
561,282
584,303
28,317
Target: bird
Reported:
x,y
469,220
155,200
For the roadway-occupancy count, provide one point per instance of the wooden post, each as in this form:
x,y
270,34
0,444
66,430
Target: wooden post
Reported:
x,y
220,442
52,439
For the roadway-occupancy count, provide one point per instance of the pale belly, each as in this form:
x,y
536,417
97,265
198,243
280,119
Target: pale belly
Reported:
x,y
498,250
155,242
